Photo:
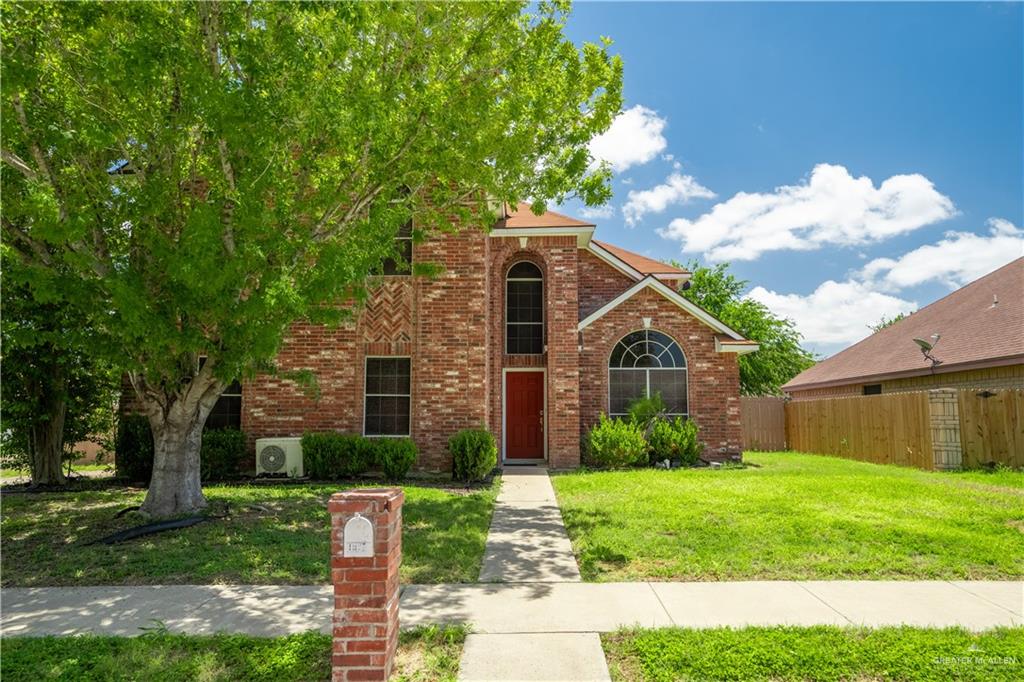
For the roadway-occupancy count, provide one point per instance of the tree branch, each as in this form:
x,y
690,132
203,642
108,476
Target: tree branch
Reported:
x,y
19,164
38,156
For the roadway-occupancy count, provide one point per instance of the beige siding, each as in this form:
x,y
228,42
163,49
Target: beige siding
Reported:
x,y
1011,376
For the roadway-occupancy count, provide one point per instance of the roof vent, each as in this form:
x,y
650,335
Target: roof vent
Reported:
x,y
995,300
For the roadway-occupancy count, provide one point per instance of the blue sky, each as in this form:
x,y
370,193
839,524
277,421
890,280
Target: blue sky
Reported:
x,y
849,160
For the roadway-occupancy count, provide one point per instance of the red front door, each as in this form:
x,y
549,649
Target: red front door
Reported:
x,y
524,415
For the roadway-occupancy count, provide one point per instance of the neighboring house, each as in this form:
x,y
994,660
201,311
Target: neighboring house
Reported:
x,y
980,344
533,330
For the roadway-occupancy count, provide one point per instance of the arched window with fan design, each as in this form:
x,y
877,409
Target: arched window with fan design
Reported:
x,y
644,363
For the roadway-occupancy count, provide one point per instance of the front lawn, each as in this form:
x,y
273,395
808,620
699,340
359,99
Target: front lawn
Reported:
x,y
815,653
273,535
424,655
794,516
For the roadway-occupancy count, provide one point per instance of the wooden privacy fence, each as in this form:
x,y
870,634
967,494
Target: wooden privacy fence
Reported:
x,y
992,427
763,419
937,429
892,428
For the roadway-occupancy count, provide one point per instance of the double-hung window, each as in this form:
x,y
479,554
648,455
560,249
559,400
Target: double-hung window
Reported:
x,y
388,396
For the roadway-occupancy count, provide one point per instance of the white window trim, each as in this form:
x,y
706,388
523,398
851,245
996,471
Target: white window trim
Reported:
x,y
647,377
543,311
366,362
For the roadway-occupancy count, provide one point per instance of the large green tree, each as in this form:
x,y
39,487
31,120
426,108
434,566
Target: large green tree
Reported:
x,y
780,357
56,391
206,173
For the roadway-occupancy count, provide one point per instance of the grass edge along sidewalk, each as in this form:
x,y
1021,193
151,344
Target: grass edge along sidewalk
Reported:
x,y
424,655
822,653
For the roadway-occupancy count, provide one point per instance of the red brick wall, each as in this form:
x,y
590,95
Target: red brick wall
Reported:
x,y
713,377
599,283
440,323
452,327
557,258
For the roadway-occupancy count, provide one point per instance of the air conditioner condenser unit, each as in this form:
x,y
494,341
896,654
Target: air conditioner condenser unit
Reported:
x,y
278,456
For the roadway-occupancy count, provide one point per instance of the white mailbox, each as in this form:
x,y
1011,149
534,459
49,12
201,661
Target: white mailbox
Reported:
x,y
357,540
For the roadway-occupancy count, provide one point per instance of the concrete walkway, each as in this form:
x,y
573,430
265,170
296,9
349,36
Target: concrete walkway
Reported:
x,y
527,541
530,608
526,545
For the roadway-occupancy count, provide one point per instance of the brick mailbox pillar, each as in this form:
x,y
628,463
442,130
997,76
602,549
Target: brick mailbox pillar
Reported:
x,y
366,551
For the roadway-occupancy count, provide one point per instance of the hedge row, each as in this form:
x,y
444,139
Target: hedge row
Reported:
x,y
325,455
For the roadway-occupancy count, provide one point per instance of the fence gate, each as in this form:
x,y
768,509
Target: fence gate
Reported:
x,y
764,422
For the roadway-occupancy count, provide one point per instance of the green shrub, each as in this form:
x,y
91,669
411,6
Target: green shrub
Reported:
x,y
335,455
474,454
617,443
645,411
674,439
134,448
395,456
222,451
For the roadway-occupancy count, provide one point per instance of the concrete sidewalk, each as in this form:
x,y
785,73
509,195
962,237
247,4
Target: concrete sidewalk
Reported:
x,y
268,610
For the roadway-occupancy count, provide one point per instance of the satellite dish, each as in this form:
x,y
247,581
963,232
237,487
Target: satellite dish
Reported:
x,y
927,348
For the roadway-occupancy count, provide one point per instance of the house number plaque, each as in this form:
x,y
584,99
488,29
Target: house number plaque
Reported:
x,y
358,537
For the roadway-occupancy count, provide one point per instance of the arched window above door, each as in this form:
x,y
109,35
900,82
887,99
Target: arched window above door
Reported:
x,y
524,309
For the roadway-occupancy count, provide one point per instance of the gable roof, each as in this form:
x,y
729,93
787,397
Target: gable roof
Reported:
x,y
522,217
734,344
643,264
974,331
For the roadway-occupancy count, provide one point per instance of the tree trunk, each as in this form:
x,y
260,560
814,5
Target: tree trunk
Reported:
x,y
46,446
175,487
177,418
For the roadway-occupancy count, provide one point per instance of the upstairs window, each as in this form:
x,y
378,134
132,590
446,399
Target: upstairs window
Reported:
x,y
644,363
524,309
402,265
227,413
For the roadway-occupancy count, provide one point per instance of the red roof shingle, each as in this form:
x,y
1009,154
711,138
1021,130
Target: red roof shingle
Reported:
x,y
973,329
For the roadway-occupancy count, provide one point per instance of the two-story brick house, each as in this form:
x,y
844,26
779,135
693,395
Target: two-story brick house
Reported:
x,y
532,329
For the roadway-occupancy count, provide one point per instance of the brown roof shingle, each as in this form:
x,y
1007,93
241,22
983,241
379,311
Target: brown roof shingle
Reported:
x,y
645,265
972,328
522,216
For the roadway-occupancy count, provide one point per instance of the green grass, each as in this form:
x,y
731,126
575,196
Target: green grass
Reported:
x,y
11,473
795,516
45,536
816,653
423,654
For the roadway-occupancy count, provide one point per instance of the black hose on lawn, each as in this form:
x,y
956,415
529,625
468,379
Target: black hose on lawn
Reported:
x,y
148,529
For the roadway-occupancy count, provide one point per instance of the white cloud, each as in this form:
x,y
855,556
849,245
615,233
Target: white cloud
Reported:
x,y
835,312
677,189
635,137
597,212
832,207
959,258
839,313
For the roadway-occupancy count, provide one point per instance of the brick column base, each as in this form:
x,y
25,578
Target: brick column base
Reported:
x,y
365,623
